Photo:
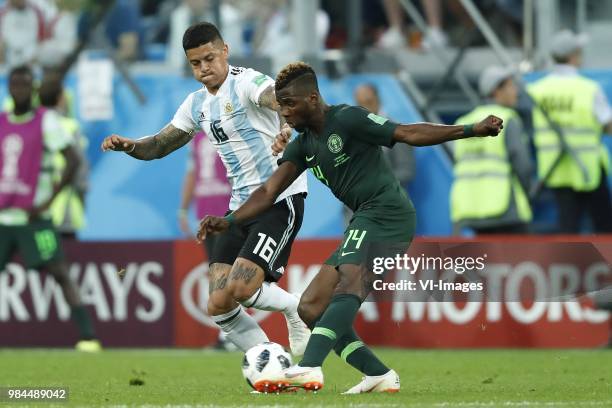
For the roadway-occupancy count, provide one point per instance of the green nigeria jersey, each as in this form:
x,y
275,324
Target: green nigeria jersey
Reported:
x,y
347,157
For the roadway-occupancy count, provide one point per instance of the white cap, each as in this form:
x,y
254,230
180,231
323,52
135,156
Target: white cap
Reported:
x,y
565,42
491,78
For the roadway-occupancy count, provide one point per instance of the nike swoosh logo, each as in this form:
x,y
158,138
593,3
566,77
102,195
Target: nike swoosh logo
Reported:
x,y
347,253
311,158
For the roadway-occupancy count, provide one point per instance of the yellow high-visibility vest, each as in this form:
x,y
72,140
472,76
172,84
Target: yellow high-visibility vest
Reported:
x,y
569,103
67,202
484,182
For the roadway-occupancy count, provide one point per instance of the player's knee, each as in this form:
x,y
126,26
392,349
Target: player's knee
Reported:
x,y
241,292
245,279
219,302
311,307
350,281
308,311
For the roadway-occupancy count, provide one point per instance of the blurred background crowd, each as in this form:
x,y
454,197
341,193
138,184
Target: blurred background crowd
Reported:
x,y
46,31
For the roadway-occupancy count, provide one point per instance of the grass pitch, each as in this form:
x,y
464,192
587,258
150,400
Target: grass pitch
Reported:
x,y
433,378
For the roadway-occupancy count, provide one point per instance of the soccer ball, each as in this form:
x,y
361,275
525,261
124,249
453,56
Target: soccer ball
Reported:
x,y
263,365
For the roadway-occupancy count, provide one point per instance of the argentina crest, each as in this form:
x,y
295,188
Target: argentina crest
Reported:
x,y
334,143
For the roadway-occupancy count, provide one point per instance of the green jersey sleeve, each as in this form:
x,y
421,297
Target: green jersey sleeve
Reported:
x,y
367,127
294,153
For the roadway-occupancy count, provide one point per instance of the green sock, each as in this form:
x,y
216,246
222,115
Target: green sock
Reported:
x,y
333,324
352,350
83,322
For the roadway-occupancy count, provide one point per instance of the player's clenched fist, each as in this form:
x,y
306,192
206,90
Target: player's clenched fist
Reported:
x,y
211,224
281,140
118,143
490,126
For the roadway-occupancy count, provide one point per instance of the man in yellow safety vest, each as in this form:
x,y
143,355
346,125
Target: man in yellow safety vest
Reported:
x,y
492,176
575,164
68,207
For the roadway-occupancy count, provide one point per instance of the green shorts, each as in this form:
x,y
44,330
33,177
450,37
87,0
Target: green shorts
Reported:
x,y
373,234
37,242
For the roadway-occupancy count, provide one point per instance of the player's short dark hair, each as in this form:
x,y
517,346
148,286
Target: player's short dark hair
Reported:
x,y
294,71
200,34
21,70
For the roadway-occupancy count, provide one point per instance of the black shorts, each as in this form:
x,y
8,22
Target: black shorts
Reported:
x,y
265,240
209,244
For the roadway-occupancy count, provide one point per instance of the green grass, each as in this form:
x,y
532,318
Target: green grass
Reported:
x,y
479,378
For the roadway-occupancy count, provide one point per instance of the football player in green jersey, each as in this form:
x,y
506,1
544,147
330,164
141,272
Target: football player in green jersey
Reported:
x,y
341,146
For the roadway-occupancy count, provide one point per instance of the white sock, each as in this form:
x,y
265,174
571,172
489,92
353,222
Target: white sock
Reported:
x,y
273,298
240,328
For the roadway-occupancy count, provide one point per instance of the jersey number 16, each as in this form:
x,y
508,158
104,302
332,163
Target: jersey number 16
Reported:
x,y
218,132
265,247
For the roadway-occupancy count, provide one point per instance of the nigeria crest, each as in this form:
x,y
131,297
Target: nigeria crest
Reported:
x,y
334,143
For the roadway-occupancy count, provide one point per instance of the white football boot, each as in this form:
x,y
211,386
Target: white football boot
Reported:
x,y
389,382
273,383
308,378
299,333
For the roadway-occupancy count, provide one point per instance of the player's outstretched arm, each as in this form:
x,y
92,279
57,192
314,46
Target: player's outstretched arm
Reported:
x,y
157,146
261,199
427,134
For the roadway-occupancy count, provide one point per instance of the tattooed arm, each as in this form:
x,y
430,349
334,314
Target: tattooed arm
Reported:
x,y
157,146
267,99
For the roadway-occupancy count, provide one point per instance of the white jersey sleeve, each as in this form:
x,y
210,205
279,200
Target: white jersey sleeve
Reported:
x,y
183,118
251,84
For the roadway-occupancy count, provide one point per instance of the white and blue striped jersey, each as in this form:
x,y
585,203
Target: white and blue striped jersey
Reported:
x,y
240,129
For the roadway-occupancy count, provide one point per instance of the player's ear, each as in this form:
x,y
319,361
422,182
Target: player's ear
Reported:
x,y
313,97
